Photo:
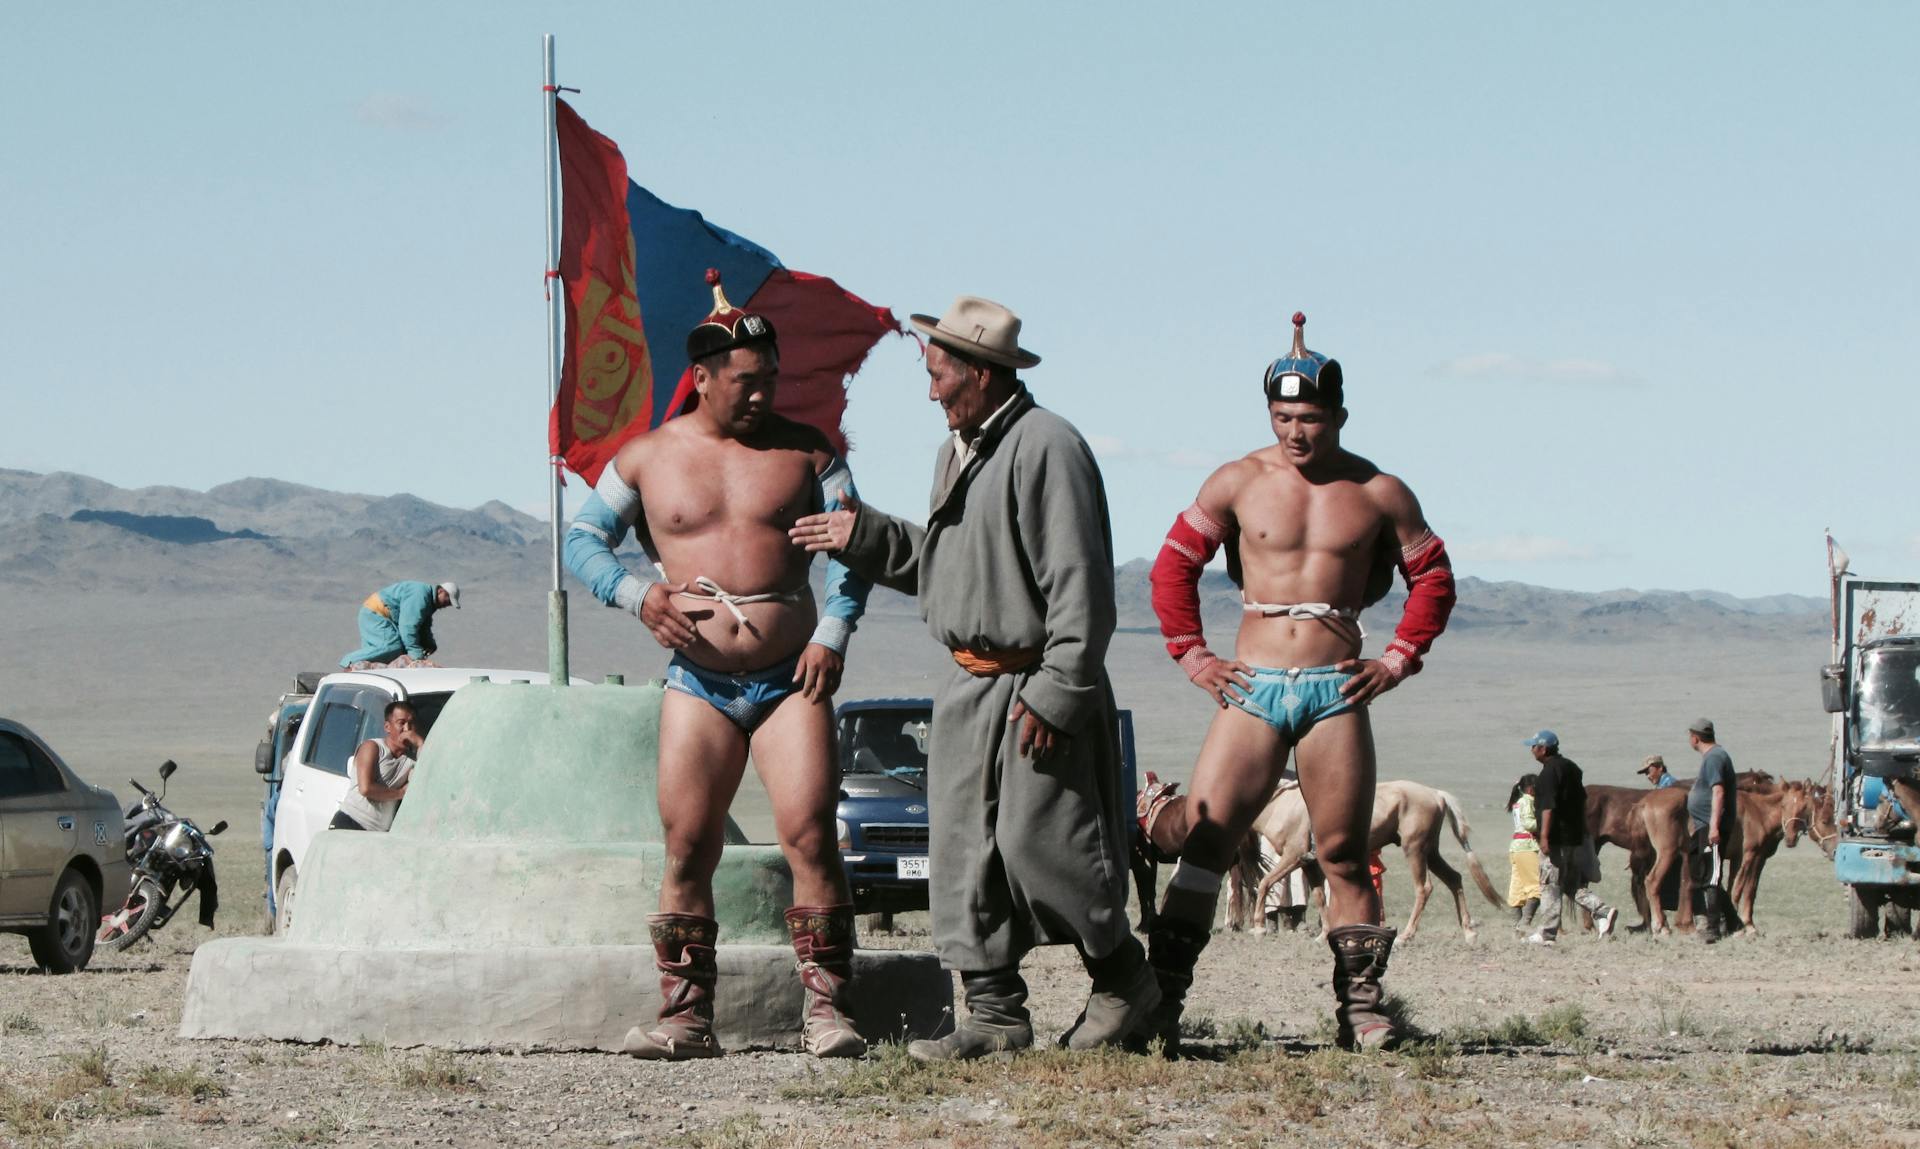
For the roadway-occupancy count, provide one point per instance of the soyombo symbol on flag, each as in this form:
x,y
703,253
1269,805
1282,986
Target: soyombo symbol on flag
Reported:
x,y
634,267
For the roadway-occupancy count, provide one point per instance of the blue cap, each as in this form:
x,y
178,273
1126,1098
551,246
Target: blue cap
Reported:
x,y
1545,738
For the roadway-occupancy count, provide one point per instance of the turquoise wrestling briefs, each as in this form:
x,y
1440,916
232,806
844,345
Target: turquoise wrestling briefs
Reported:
x,y
1293,701
747,699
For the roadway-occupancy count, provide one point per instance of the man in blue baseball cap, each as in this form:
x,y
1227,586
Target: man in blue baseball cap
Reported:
x,y
1566,860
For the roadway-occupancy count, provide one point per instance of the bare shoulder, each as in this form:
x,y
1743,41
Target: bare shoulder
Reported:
x,y
631,459
1224,487
1392,495
779,433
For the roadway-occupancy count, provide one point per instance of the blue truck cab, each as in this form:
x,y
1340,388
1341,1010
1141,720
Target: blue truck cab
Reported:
x,y
1872,690
882,814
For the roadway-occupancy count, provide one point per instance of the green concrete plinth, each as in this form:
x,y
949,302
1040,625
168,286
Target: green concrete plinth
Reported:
x,y
507,907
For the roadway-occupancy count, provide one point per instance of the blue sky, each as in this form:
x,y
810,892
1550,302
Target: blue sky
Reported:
x,y
1628,296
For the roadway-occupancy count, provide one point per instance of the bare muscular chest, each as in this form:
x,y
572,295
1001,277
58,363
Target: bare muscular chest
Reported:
x,y
1287,515
691,492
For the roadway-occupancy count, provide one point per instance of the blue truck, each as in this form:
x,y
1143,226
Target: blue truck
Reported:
x,y
1872,689
882,814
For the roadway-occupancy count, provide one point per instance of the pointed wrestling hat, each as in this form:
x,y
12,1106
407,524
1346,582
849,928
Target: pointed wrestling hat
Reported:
x,y
1302,376
981,328
728,327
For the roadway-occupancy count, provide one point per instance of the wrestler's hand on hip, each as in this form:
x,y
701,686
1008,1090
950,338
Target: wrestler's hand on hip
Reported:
x,y
1370,680
1216,676
818,672
828,531
670,626
1038,741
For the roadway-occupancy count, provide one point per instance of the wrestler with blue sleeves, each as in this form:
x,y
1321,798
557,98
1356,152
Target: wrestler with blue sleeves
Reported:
x,y
754,668
613,509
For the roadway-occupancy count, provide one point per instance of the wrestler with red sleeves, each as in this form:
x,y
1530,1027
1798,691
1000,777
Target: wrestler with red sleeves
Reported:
x,y
1313,535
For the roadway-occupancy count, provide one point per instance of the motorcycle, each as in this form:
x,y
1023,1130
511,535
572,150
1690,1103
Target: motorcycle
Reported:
x,y
169,855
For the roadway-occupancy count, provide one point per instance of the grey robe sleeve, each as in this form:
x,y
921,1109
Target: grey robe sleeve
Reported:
x,y
885,550
1063,530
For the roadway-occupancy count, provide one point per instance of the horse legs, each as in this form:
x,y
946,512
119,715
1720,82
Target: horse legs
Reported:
x,y
1746,887
1663,861
1287,866
1450,877
1638,869
1422,887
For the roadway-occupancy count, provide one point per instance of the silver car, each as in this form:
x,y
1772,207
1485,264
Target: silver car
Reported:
x,y
62,852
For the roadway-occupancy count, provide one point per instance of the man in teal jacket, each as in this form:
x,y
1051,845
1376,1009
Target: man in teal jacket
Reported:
x,y
396,624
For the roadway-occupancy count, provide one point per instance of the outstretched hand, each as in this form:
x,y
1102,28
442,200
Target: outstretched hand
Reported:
x,y
818,672
670,625
827,531
1038,741
1370,680
1218,675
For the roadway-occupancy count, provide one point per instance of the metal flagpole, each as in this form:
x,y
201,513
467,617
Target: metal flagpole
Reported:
x,y
557,597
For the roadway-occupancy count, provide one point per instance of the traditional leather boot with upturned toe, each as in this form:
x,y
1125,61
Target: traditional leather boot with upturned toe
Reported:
x,y
683,949
823,941
1173,950
1359,961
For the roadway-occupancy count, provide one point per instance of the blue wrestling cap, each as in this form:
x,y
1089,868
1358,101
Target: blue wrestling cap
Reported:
x,y
728,327
1303,376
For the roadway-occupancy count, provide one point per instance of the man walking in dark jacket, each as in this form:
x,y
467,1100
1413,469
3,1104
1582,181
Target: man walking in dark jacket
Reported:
x,y
1560,800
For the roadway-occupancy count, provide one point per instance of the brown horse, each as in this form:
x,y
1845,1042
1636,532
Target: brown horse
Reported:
x,y
1771,815
1655,837
1407,814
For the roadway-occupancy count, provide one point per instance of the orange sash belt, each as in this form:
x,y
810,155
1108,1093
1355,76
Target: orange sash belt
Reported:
x,y
987,663
377,605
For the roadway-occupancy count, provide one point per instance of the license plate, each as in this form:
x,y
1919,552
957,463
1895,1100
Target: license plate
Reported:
x,y
913,867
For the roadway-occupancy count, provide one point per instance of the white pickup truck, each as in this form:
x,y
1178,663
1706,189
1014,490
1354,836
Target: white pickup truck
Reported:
x,y
347,709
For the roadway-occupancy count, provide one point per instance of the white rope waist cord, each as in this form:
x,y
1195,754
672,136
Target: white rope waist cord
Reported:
x,y
704,589
1306,611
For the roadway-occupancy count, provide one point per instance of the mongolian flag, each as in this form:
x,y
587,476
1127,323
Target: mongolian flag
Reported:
x,y
634,268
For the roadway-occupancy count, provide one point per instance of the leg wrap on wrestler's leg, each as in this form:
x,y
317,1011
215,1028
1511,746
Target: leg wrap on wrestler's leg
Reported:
x,y
683,950
823,943
997,1020
1359,961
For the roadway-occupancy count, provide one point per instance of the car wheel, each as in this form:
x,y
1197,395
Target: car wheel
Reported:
x,y
283,893
65,943
1863,912
135,917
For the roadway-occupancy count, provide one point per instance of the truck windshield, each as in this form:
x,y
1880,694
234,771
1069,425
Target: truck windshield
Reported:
x,y
891,742
427,708
1889,698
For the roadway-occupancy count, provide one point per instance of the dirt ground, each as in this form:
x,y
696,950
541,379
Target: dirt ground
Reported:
x,y
1798,1037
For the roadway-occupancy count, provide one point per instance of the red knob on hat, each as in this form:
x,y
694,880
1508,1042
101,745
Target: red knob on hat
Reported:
x,y
1299,335
720,304
1299,317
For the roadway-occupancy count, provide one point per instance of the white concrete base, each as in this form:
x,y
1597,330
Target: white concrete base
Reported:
x,y
561,997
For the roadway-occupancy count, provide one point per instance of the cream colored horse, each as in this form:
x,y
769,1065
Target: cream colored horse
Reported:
x,y
1407,814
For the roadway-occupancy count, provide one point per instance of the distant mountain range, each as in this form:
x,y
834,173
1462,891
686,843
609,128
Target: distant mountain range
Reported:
x,y
278,538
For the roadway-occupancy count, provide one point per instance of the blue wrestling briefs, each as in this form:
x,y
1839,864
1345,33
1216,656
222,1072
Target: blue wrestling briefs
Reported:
x,y
1293,701
746,699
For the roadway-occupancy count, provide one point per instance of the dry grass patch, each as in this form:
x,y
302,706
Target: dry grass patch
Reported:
x,y
186,1082
434,1071
47,1111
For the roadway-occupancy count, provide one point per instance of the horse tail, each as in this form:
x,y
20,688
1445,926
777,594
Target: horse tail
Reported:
x,y
1457,819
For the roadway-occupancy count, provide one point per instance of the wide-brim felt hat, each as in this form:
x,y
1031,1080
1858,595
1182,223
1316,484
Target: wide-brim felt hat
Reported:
x,y
980,328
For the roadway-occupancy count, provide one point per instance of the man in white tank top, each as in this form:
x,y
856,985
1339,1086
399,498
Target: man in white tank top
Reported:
x,y
381,768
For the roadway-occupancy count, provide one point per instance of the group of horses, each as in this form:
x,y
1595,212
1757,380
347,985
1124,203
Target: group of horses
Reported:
x,y
1651,825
